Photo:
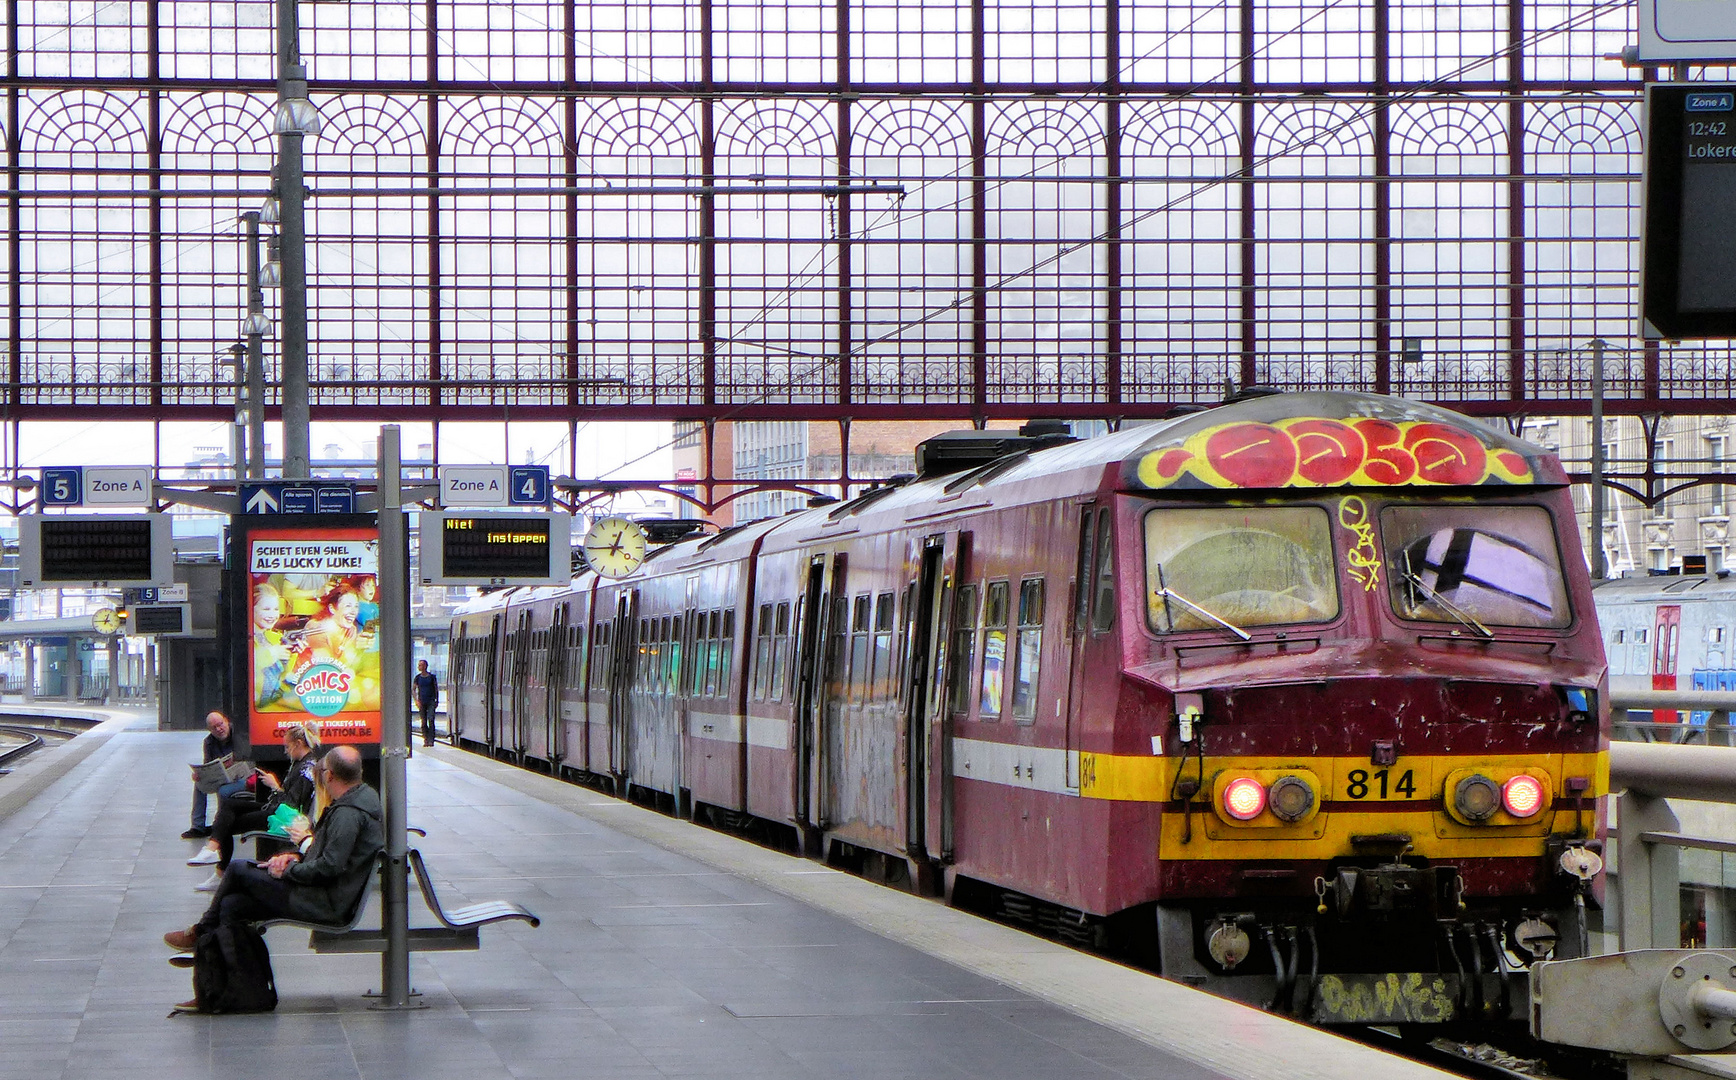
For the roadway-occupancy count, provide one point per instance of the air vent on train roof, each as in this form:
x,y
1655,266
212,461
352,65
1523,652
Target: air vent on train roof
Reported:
x,y
956,451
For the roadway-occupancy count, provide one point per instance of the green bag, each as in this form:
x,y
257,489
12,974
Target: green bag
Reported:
x,y
278,823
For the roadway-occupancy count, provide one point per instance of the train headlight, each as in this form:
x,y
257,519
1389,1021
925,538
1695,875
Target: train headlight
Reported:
x,y
1477,798
1244,798
1291,798
1522,796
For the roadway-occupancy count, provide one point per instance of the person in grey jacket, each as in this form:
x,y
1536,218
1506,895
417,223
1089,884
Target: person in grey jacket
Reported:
x,y
321,883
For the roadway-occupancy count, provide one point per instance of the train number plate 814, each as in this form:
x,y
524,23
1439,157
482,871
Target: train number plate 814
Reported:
x,y
1400,782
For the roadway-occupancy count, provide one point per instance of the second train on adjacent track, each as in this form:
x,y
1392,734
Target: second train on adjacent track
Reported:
x,y
1300,698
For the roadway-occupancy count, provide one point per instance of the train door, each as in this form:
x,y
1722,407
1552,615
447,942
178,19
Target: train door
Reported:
x,y
924,651
623,661
1093,610
948,559
810,691
555,685
1666,643
491,695
519,717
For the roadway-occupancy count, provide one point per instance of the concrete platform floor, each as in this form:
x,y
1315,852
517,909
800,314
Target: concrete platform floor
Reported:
x,y
652,963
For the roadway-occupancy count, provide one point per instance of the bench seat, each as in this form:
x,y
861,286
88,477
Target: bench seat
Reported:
x,y
460,929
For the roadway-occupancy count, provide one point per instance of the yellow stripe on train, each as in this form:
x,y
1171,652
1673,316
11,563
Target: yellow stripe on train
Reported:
x,y
1362,799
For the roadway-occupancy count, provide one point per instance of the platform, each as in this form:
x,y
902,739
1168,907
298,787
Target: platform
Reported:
x,y
666,951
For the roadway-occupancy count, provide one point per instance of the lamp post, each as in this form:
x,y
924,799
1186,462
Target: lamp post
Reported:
x,y
1599,567
296,118
254,328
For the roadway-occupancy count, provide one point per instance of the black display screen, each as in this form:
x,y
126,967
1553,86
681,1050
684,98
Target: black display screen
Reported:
x,y
80,549
1690,264
158,619
495,547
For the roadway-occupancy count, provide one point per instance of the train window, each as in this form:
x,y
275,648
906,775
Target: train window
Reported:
x,y
859,620
1029,654
762,656
1485,564
724,673
963,649
880,683
1085,570
1254,566
781,651
713,653
673,682
837,645
1103,605
994,651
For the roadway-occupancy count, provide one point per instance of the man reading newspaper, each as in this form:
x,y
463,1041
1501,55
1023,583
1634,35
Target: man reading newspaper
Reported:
x,y
212,773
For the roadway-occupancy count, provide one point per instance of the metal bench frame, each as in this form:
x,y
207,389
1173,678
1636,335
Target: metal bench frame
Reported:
x,y
460,929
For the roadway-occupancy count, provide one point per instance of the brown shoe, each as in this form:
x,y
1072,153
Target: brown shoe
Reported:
x,y
181,960
181,940
188,1006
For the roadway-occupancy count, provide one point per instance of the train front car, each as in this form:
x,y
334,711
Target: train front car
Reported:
x,y
1370,649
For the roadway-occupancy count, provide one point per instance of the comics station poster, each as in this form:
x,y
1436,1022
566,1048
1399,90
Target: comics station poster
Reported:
x,y
312,632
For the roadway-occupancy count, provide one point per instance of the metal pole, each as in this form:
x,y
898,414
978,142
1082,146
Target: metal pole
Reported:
x,y
255,357
238,430
1599,570
292,230
394,724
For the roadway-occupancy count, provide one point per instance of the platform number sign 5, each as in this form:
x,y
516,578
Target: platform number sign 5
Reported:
x,y
63,487
528,485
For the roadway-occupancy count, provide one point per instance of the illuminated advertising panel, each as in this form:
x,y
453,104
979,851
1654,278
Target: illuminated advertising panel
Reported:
x,y
312,631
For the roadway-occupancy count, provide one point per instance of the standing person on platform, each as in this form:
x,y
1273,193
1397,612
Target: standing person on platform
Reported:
x,y
219,742
427,696
320,883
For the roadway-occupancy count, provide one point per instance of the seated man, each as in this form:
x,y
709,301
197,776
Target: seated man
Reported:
x,y
320,884
219,741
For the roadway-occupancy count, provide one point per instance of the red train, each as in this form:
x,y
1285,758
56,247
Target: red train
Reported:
x,y
1300,698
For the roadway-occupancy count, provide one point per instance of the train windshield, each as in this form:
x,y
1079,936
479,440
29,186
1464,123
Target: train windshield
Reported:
x,y
1235,568
1475,565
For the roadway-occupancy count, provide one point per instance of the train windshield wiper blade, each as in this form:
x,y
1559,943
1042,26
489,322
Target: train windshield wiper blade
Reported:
x,y
1170,594
1464,618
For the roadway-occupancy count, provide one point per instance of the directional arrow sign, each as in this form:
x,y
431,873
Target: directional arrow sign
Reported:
x,y
259,498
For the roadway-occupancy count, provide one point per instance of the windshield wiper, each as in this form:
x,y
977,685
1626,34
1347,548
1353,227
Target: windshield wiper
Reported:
x,y
1464,618
1170,594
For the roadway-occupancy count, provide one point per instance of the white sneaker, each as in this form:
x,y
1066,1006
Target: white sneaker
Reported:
x,y
209,884
207,856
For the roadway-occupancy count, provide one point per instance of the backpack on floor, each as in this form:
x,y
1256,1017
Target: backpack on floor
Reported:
x,y
232,971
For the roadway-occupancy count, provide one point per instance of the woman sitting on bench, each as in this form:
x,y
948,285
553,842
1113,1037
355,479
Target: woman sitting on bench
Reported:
x,y
237,815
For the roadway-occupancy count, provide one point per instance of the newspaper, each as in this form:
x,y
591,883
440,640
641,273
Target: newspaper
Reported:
x,y
211,775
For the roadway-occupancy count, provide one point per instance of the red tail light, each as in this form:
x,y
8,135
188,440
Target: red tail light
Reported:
x,y
1522,796
1244,798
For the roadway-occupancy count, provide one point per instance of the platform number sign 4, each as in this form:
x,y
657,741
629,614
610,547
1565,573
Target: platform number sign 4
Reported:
x,y
528,485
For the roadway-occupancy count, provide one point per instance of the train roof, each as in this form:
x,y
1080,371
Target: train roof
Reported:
x,y
1334,440
1315,439
1673,587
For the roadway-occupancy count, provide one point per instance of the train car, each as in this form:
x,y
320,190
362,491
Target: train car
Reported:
x,y
1300,699
1669,632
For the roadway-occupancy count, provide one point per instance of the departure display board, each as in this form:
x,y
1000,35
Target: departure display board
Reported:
x,y
495,549
1688,288
94,550
143,619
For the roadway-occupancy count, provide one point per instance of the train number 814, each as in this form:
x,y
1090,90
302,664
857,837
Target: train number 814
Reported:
x,y
1361,784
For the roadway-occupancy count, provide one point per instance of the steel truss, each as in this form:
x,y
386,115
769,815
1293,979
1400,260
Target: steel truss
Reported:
x,y
1110,208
